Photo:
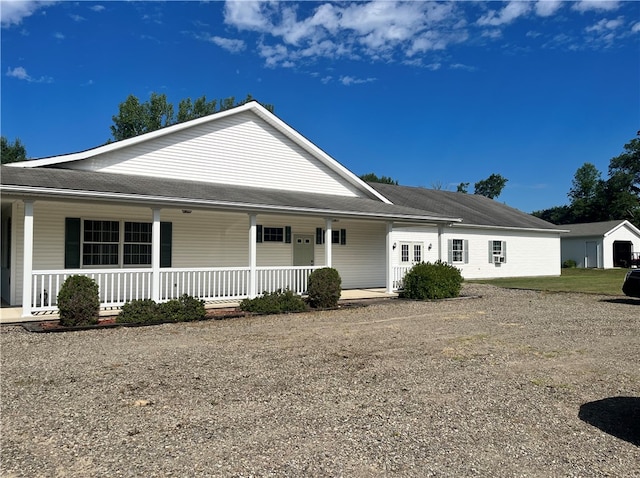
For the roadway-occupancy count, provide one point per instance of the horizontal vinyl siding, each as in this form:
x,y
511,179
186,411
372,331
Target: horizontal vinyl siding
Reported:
x,y
240,149
361,262
209,239
424,235
576,249
528,254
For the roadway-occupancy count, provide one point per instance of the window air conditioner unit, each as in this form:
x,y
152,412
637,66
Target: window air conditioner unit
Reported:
x,y
498,259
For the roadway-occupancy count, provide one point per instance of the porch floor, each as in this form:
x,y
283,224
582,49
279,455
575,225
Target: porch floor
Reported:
x,y
13,315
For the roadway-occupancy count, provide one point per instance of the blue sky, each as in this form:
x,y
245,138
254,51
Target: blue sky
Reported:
x,y
429,93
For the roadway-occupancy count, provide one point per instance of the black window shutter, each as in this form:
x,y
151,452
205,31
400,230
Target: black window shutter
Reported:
x,y
259,233
319,233
343,237
72,243
287,234
166,233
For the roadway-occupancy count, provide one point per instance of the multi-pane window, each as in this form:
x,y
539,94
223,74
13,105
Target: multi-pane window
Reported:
x,y
457,250
404,252
137,243
417,253
497,248
101,242
497,252
273,234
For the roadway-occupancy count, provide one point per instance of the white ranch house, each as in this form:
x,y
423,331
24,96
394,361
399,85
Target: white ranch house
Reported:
x,y
226,207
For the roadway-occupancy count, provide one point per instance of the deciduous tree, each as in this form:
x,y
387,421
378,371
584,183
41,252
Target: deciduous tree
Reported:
x,y
12,152
490,187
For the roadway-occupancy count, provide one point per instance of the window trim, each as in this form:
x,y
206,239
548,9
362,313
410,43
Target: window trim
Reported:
x,y
464,252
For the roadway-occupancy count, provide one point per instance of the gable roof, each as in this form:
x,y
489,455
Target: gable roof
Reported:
x,y
600,229
69,184
252,106
475,210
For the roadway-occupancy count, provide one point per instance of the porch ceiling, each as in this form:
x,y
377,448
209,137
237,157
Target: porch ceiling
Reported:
x,y
55,183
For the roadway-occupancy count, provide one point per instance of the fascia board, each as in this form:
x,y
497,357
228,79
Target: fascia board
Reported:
x,y
508,228
624,223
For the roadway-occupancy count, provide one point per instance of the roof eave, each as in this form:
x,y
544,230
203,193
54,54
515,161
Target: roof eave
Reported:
x,y
62,194
510,228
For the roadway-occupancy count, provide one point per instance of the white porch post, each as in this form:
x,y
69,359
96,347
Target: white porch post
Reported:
x,y
253,255
27,259
328,243
388,258
440,233
155,256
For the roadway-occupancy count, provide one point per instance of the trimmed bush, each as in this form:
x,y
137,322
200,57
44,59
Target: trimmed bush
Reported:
x,y
277,302
569,264
428,281
78,301
325,286
184,309
143,311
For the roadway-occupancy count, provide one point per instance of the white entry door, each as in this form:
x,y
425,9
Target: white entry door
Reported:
x,y
411,253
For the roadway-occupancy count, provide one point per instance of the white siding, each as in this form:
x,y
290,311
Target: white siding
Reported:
x,y
527,253
576,249
240,149
621,234
208,239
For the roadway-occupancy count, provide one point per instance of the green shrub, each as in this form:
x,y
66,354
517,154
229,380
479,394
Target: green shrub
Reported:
x,y
143,311
184,309
427,281
277,302
78,301
569,264
324,288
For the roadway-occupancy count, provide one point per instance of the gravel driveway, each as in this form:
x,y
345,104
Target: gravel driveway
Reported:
x,y
515,383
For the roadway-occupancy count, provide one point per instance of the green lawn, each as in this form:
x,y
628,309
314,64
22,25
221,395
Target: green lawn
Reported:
x,y
591,281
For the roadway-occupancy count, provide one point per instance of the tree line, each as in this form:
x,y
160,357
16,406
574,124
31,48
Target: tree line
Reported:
x,y
594,199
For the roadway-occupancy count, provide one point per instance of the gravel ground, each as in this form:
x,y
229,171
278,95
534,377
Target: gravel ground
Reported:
x,y
515,383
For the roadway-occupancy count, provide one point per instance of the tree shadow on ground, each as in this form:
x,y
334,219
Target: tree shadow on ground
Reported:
x,y
617,416
622,300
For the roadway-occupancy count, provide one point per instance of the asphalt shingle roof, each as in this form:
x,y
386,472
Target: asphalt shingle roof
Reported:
x,y
590,228
67,182
472,208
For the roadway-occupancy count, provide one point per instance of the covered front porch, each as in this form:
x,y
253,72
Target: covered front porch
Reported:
x,y
275,251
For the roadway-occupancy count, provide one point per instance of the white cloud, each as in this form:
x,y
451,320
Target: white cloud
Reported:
x,y
13,11
586,5
605,25
509,13
635,28
350,80
58,36
234,46
546,8
97,8
77,18
20,73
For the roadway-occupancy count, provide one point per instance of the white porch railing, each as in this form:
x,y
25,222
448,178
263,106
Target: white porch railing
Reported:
x,y
115,286
398,276
118,286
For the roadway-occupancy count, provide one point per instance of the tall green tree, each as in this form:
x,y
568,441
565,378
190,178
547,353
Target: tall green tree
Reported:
x,y
12,152
135,118
594,199
491,187
373,178
586,194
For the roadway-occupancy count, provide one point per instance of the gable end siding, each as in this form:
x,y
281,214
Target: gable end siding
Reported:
x,y
240,149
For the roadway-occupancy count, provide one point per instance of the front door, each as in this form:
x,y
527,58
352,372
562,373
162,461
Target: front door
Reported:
x,y
303,250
